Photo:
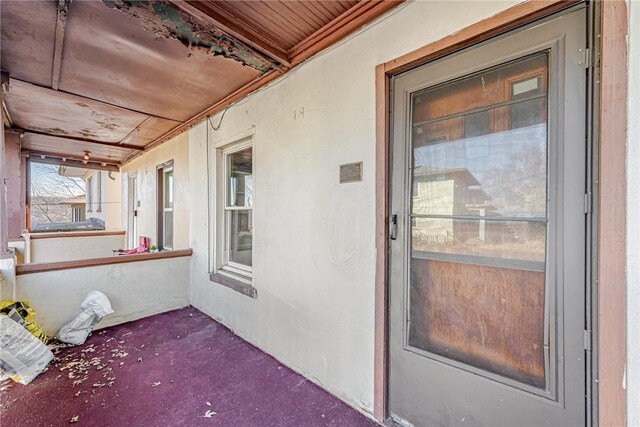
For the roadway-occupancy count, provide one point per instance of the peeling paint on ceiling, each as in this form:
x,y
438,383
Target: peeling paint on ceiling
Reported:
x,y
164,20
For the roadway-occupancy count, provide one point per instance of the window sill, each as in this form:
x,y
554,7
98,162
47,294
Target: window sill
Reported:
x,y
235,284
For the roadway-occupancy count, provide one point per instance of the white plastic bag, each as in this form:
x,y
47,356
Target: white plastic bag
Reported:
x,y
22,356
96,306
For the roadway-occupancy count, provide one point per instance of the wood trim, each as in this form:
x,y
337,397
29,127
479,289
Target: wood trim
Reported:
x,y
380,356
56,235
339,28
612,214
509,19
44,267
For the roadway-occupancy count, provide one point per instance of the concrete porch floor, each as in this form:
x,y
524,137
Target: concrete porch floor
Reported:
x,y
179,368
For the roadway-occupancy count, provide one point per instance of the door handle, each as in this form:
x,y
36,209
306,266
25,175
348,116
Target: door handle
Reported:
x,y
393,230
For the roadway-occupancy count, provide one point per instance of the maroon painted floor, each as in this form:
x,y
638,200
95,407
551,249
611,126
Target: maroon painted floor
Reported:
x,y
175,369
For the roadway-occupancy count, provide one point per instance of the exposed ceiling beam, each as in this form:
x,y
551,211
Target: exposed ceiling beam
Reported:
x,y
111,104
61,25
65,158
57,159
74,138
213,15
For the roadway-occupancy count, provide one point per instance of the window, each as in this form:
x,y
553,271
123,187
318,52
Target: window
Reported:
x,y
165,205
233,238
99,191
89,191
238,210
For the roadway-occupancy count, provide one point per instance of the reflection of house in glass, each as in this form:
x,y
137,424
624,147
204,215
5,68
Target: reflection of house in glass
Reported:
x,y
453,212
451,192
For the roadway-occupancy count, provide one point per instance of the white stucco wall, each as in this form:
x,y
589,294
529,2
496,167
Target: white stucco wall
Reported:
x,y
135,290
109,208
144,167
74,248
314,248
633,220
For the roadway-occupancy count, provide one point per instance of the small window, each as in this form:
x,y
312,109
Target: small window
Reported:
x,y
165,205
234,236
238,211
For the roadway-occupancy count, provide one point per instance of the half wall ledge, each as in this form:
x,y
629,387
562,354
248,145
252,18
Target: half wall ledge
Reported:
x,y
121,259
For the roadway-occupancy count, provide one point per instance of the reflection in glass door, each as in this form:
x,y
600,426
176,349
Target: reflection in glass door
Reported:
x,y
479,221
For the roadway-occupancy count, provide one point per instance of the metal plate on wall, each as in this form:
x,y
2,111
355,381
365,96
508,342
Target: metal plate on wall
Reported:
x,y
351,172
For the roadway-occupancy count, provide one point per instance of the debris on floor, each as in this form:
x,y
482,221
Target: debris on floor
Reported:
x,y
96,306
226,382
23,356
209,414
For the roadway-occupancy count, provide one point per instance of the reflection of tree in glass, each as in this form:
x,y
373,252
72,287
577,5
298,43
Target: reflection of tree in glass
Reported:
x,y
47,193
518,187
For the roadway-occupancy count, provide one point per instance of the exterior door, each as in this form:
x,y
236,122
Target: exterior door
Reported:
x,y
487,267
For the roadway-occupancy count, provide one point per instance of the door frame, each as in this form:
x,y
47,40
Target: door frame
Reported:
x,y
607,94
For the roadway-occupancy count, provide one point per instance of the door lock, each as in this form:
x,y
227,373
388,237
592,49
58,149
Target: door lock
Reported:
x,y
393,230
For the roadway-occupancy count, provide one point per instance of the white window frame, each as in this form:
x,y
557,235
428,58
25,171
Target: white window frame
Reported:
x,y
166,209
222,235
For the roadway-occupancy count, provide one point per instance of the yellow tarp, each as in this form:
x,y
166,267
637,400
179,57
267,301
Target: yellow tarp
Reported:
x,y
27,317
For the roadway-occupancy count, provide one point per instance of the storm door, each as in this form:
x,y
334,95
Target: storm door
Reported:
x,y
487,269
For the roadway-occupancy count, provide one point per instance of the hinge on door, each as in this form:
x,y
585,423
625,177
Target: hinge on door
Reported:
x,y
585,57
587,339
587,203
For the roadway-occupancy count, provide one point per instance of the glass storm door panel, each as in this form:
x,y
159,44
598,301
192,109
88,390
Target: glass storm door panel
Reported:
x,y
488,269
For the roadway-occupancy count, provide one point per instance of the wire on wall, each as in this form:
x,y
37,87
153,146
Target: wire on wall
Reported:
x,y
214,127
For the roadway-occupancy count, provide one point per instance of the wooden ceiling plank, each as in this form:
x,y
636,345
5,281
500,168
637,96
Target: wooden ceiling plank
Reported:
x,y
350,21
331,12
320,12
61,25
310,17
286,20
297,14
246,13
212,14
274,16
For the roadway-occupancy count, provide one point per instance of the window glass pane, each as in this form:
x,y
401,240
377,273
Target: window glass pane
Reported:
x,y
168,229
240,178
168,189
239,240
506,240
476,150
479,220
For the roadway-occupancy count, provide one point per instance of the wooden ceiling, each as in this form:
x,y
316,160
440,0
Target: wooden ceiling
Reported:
x,y
115,78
